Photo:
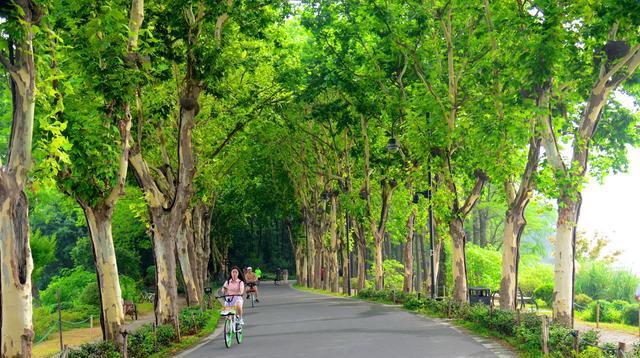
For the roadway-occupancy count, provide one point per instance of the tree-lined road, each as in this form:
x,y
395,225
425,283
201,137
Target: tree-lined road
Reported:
x,y
292,323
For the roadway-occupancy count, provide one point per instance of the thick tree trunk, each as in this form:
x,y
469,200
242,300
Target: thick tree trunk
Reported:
x,y
186,258
378,262
16,267
362,260
166,305
564,269
510,248
333,264
16,263
458,238
408,252
104,254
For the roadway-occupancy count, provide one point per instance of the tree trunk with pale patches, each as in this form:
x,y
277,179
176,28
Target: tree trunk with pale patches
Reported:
x,y
112,313
408,252
16,263
459,264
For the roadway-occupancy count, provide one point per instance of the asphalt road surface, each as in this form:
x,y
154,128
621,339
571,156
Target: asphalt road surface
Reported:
x,y
291,323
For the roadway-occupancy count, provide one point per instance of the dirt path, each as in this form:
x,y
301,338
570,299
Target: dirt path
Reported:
x,y
76,337
610,335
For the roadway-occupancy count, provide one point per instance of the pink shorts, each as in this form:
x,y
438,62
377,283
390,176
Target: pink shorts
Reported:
x,y
235,301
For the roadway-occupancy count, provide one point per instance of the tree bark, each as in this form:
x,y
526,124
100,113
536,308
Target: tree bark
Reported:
x,y
16,263
458,238
334,282
514,226
408,252
568,213
186,258
104,254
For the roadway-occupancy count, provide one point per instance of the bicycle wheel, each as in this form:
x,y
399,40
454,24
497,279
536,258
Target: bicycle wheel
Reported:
x,y
228,332
253,298
239,334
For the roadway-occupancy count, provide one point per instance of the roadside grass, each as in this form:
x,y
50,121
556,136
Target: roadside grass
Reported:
x,y
319,291
188,341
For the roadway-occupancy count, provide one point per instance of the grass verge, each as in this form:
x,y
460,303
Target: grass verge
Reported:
x,y
189,341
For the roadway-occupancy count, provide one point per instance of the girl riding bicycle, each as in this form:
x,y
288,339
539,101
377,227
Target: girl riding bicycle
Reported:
x,y
234,286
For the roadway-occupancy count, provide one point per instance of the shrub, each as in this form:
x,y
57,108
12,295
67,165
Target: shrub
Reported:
x,y
71,284
165,334
529,332
414,304
393,274
608,312
192,320
130,289
560,340
90,295
620,305
141,343
630,315
544,293
104,349
582,301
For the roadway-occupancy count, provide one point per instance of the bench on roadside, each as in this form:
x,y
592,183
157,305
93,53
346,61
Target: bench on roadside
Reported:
x,y
522,299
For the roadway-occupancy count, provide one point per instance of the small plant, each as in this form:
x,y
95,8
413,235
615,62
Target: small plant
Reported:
x,y
105,349
192,319
630,315
544,293
582,301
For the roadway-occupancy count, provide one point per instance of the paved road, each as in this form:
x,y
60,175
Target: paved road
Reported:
x,y
292,323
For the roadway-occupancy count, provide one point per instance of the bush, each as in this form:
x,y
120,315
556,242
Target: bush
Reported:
x,y
630,315
608,312
104,349
165,334
141,343
393,274
130,289
620,305
582,301
71,284
192,320
90,295
544,293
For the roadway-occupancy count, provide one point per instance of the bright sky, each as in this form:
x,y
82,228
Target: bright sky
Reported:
x,y
613,209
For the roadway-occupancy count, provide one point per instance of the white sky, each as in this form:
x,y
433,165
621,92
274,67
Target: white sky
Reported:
x,y
613,210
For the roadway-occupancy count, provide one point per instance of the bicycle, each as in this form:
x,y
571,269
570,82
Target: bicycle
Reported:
x,y
252,294
232,326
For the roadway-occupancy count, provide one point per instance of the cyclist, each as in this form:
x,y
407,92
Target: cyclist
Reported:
x,y
277,278
252,283
234,285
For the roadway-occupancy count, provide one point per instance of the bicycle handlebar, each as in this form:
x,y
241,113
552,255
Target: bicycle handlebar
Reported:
x,y
223,296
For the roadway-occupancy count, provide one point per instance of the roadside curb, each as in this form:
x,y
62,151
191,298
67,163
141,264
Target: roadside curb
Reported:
x,y
203,342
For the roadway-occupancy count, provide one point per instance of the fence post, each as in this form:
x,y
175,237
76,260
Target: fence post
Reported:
x,y
60,321
576,341
597,314
622,347
91,321
124,343
545,335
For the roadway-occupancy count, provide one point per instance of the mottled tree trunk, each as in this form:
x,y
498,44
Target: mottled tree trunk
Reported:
x,y
378,262
362,260
186,258
333,265
408,252
564,260
458,239
104,254
16,268
166,305
16,263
